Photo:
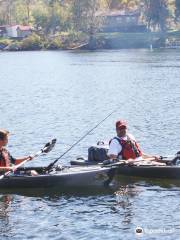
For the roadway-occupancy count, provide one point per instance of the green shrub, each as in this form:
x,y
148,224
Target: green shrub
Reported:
x,y
54,44
33,42
74,36
14,46
5,41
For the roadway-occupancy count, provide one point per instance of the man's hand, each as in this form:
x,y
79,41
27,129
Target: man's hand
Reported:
x,y
157,158
130,161
30,157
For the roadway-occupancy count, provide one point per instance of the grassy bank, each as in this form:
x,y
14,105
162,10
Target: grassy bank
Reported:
x,y
63,40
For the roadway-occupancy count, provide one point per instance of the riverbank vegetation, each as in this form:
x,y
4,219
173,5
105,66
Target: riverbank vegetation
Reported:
x,y
67,24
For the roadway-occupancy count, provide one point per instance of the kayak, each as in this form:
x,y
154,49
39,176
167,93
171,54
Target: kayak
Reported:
x,y
163,172
97,155
144,169
62,177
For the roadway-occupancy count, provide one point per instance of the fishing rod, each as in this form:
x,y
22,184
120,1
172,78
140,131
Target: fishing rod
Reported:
x,y
74,144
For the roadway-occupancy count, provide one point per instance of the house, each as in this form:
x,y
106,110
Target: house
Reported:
x,y
121,21
3,31
18,31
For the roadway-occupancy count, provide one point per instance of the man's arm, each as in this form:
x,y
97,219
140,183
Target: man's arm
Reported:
x,y
19,160
144,155
16,161
112,156
147,156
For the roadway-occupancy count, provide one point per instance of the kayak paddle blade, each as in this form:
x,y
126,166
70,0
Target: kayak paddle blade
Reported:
x,y
49,146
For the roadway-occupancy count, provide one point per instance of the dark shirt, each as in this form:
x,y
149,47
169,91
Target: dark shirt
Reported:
x,y
12,160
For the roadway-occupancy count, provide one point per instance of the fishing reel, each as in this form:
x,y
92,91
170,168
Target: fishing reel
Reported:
x,y
100,143
58,167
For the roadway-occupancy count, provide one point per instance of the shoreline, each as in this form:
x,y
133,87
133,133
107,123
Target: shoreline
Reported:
x,y
92,50
114,40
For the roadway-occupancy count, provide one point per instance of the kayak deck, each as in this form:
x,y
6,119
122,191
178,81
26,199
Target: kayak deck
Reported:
x,y
141,169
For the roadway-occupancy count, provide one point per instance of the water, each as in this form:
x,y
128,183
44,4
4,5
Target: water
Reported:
x,y
63,95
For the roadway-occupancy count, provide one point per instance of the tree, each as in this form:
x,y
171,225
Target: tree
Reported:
x,y
122,4
156,14
47,16
41,18
2,12
84,15
7,9
28,7
85,19
22,11
177,9
59,12
54,18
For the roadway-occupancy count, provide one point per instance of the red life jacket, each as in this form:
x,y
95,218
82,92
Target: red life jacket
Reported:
x,y
130,148
4,159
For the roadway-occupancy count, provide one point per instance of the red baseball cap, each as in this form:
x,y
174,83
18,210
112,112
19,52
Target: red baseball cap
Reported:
x,y
121,124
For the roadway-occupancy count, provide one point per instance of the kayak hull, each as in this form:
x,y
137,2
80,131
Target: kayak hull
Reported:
x,y
68,177
86,176
164,172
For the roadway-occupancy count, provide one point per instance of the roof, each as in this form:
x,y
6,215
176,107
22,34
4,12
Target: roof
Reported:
x,y
24,28
118,13
21,27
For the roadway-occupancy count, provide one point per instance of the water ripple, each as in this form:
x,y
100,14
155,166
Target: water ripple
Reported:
x,y
63,95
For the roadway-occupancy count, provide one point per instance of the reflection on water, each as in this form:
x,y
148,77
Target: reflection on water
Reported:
x,y
124,196
58,192
125,193
5,202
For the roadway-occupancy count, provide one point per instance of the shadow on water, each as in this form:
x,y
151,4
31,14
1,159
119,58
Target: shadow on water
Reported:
x,y
163,183
54,192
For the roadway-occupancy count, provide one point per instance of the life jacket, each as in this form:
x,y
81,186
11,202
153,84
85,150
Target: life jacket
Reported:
x,y
130,148
4,158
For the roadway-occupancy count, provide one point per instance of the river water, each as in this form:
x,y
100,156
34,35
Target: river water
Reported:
x,y
63,94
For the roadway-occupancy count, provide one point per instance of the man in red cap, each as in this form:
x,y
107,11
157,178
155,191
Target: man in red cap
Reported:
x,y
124,145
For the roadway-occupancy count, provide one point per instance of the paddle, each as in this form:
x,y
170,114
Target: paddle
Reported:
x,y
47,148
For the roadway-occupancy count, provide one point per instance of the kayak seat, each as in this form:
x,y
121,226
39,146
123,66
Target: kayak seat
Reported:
x,y
96,154
82,162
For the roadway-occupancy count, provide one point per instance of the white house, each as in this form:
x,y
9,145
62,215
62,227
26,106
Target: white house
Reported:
x,y
18,31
